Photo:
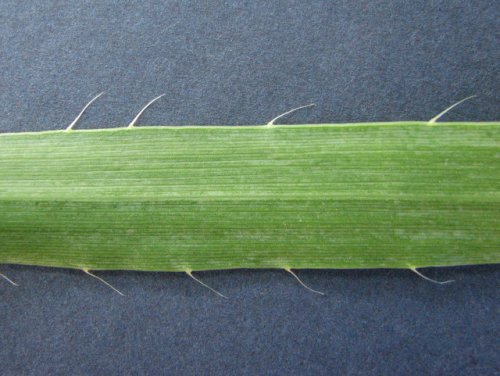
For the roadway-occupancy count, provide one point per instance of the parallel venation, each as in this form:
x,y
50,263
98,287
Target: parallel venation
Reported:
x,y
197,198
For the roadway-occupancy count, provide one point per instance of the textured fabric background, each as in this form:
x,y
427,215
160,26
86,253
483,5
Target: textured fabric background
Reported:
x,y
229,62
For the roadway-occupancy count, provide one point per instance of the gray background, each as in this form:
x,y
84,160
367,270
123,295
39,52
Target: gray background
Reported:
x,y
244,63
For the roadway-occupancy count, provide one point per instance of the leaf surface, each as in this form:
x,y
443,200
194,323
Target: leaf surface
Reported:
x,y
393,195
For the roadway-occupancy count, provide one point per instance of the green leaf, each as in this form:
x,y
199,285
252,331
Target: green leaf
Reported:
x,y
382,195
